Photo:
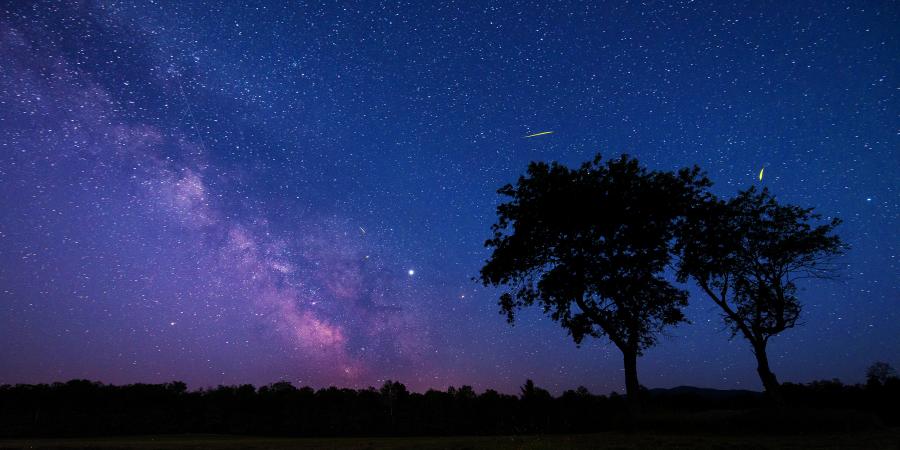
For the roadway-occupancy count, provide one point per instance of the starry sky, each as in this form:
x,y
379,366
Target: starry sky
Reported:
x,y
246,192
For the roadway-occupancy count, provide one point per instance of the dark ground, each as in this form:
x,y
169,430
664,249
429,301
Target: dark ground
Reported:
x,y
881,439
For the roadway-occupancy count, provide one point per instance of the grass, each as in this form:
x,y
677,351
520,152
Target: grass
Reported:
x,y
882,439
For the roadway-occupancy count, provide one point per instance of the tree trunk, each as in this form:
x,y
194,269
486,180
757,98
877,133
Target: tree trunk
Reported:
x,y
632,388
770,383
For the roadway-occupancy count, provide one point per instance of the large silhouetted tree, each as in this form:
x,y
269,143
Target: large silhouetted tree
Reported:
x,y
746,254
590,245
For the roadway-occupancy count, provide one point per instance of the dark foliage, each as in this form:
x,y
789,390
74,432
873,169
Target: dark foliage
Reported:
x,y
590,245
84,408
747,254
881,399
879,373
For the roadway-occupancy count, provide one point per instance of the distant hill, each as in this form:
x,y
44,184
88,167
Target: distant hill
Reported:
x,y
706,393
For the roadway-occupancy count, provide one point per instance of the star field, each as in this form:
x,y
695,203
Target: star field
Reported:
x,y
245,192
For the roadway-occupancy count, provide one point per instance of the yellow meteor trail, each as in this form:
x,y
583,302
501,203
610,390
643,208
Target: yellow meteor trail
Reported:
x,y
539,134
761,173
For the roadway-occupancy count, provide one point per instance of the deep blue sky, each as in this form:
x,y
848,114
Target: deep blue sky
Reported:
x,y
237,192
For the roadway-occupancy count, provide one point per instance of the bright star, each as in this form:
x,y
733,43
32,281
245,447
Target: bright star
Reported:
x,y
411,272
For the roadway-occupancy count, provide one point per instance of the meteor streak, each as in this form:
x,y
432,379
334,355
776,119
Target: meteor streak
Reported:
x,y
539,134
761,173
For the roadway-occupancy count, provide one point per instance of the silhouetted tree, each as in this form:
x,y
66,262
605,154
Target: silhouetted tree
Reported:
x,y
589,245
393,392
536,404
879,373
746,255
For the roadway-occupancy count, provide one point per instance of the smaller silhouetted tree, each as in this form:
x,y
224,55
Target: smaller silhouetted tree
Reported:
x,y
879,373
393,393
536,403
747,254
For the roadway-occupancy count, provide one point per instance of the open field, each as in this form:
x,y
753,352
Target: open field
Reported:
x,y
884,439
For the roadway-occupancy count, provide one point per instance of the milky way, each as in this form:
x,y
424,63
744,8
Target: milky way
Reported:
x,y
253,193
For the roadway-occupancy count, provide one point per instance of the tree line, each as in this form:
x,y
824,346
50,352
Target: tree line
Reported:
x,y
85,408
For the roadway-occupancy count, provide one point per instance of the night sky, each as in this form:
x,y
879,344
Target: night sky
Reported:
x,y
253,192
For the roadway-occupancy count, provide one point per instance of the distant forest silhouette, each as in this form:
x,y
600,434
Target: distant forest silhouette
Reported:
x,y
85,408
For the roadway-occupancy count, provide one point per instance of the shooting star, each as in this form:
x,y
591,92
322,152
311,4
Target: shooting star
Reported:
x,y
761,173
362,230
539,134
